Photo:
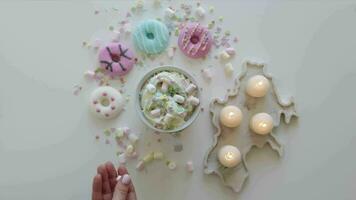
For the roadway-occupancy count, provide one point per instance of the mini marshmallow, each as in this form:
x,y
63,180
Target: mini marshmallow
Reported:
x,y
151,88
231,51
200,12
119,134
168,117
127,28
228,69
191,87
224,56
164,87
148,158
126,130
193,100
171,165
89,74
97,43
158,155
116,36
170,52
140,165
129,149
207,74
155,112
178,98
133,138
190,166
170,13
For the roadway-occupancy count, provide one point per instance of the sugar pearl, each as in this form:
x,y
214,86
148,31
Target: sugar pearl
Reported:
x,y
229,156
261,123
257,86
230,116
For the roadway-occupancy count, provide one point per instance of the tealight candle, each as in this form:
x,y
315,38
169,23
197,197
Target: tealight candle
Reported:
x,y
257,86
261,123
230,116
229,156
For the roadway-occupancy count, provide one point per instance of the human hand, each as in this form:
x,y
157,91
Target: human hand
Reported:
x,y
110,184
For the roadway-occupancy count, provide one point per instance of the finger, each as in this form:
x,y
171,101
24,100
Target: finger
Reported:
x,y
132,192
112,175
122,188
105,177
97,188
122,170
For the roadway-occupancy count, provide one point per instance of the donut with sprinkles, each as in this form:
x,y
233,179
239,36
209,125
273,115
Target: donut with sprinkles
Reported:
x,y
195,40
106,102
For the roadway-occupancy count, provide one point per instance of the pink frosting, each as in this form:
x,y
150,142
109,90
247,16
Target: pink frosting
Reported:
x,y
195,40
116,59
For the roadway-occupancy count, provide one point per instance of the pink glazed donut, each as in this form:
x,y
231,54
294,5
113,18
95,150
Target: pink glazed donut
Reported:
x,y
116,59
195,40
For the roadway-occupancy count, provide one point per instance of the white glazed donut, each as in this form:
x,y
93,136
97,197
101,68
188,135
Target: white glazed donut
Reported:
x,y
106,102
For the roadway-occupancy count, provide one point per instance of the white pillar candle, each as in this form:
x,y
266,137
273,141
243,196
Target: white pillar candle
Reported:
x,y
261,123
229,156
257,86
230,116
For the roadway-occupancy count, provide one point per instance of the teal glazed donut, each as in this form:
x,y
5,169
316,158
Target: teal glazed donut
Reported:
x,y
151,36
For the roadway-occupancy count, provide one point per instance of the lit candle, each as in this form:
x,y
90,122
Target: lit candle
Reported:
x,y
257,86
229,156
261,123
230,116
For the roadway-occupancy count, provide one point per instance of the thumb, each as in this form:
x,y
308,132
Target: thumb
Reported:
x,y
122,187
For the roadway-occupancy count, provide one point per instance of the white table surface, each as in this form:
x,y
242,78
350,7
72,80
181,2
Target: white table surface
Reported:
x,y
47,145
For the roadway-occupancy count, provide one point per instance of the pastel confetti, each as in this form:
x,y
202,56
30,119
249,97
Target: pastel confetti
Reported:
x,y
122,158
190,167
140,165
207,74
229,69
89,74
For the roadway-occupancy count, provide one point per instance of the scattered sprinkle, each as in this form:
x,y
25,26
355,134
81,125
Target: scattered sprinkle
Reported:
x,y
190,166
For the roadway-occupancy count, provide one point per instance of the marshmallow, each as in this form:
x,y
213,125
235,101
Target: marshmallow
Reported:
x,y
140,165
207,74
190,166
168,117
171,165
193,100
178,98
119,134
89,74
133,138
158,155
122,158
129,149
151,88
116,36
200,12
164,87
170,52
155,112
228,69
231,51
127,28
224,56
191,87
148,158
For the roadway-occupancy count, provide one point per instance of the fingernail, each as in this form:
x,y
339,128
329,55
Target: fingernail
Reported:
x,y
126,179
118,178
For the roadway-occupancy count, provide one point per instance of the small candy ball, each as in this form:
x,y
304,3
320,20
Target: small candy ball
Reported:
x,y
229,156
231,116
261,123
257,86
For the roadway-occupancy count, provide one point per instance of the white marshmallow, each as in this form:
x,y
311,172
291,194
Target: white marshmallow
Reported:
x,y
155,112
164,87
170,52
151,88
127,28
129,149
140,165
178,98
229,69
122,158
200,12
191,87
231,51
190,166
193,100
168,117
207,74
224,56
